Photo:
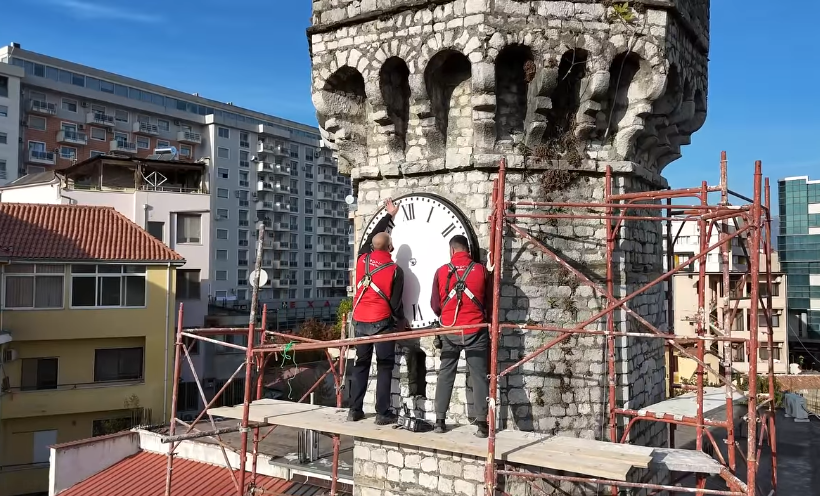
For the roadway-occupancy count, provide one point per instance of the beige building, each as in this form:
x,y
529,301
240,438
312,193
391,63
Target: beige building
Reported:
x,y
685,306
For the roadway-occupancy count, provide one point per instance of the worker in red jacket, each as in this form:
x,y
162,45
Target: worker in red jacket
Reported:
x,y
377,309
460,297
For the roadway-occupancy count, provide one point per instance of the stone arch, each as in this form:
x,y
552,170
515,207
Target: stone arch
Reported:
x,y
566,97
447,80
514,70
394,85
341,110
630,76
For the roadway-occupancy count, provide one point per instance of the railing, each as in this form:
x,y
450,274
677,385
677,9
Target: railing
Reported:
x,y
41,156
189,137
146,128
100,118
43,107
72,137
123,146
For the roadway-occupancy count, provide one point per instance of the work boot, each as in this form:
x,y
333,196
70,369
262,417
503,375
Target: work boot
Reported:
x,y
354,415
483,430
387,419
440,427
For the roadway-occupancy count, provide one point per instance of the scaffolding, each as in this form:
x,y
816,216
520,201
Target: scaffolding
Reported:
x,y
752,224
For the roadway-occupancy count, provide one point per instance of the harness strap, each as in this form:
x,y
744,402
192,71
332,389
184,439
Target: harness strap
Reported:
x,y
460,287
366,282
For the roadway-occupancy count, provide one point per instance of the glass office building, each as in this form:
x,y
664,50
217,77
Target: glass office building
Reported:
x,y
799,247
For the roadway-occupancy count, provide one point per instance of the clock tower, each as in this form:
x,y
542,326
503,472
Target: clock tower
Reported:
x,y
422,99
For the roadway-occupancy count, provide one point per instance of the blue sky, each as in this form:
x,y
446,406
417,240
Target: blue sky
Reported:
x,y
764,67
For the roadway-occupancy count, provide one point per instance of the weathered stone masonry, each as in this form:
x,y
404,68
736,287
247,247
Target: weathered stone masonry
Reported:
x,y
428,95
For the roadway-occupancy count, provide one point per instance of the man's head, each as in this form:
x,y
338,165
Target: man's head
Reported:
x,y
458,243
382,242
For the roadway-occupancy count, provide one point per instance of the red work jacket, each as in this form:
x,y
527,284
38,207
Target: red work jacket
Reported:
x,y
468,312
371,307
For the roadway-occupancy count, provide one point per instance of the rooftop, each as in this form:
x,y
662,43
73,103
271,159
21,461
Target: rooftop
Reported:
x,y
77,233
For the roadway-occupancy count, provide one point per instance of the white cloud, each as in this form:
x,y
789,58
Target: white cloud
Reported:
x,y
95,10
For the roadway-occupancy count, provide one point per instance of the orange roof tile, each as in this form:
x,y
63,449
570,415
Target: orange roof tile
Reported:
x,y
144,475
77,232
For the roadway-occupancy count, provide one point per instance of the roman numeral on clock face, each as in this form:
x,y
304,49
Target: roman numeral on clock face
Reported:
x,y
409,211
417,312
449,229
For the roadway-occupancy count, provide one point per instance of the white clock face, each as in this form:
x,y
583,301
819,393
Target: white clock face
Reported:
x,y
423,228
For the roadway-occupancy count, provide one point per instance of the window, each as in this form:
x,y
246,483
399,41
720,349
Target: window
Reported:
x,y
221,275
4,139
188,284
189,228
42,442
762,324
222,172
307,293
69,105
34,286
244,180
185,150
156,229
2,169
223,152
223,132
118,364
222,192
37,123
222,213
220,295
4,111
244,159
163,125
221,234
98,134
244,140
187,397
738,352
163,144
121,115
68,152
108,286
143,142
38,373
241,294
294,150
143,119
763,353
4,86
120,137
221,254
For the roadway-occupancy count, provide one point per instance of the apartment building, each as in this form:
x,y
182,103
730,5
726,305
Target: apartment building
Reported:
x,y
10,77
87,312
799,243
686,245
259,168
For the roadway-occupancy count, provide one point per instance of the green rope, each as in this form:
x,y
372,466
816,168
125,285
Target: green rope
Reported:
x,y
285,357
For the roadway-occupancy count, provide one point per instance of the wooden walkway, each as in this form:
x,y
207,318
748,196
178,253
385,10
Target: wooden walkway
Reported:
x,y
580,456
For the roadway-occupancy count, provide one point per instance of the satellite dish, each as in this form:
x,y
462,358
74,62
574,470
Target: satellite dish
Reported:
x,y
350,199
263,277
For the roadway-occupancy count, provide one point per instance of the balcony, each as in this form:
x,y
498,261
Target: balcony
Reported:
x,y
41,107
324,248
324,178
41,157
72,399
339,283
280,283
323,159
281,207
324,283
265,186
281,226
324,195
340,213
262,147
121,146
281,245
145,128
324,212
189,137
72,137
340,248
264,205
100,119
324,230
265,167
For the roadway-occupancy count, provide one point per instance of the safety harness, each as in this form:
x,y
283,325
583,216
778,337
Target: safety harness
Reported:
x,y
459,289
366,281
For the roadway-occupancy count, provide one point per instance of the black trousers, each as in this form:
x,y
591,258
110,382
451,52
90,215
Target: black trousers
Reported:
x,y
475,352
416,360
385,361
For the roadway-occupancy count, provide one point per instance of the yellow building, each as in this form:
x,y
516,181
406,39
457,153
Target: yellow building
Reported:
x,y
87,344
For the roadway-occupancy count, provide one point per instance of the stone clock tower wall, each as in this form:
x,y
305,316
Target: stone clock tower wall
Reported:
x,y
427,96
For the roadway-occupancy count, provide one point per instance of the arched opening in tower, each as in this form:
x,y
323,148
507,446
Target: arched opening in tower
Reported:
x,y
344,115
514,70
395,87
447,79
565,99
629,81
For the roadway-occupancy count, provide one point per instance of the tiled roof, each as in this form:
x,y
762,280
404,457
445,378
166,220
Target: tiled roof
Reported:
x,y
144,475
77,232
